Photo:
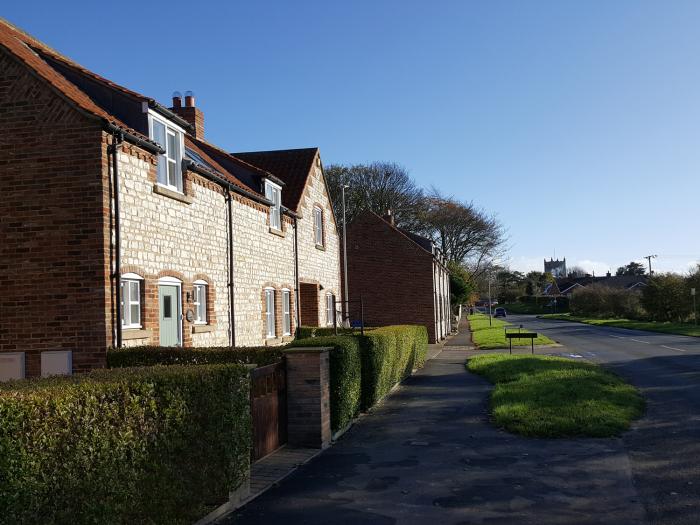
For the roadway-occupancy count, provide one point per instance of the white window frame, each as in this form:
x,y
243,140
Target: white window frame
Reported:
x,y
286,312
179,133
127,301
270,329
318,226
330,309
200,287
273,192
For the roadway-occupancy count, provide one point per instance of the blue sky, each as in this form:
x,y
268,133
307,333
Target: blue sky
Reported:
x,y
577,123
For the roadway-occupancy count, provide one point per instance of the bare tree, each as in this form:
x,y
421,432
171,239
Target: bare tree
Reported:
x,y
380,186
464,232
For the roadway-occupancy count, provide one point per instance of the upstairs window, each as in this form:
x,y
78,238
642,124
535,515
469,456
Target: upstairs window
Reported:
x,y
131,301
169,163
274,193
200,302
318,226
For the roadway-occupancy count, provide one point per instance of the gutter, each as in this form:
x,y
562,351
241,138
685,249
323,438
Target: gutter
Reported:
x,y
296,274
149,146
162,110
193,166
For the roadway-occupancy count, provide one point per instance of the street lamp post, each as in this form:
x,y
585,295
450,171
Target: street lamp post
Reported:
x,y
489,279
345,261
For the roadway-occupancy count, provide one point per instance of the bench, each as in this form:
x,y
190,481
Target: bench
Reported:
x,y
521,335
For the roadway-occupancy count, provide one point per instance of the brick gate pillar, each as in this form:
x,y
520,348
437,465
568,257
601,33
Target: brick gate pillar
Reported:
x,y
308,397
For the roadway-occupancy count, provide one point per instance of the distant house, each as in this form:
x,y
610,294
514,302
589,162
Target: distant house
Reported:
x,y
402,278
567,286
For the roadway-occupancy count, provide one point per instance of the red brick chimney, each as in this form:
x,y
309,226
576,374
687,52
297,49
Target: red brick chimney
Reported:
x,y
189,112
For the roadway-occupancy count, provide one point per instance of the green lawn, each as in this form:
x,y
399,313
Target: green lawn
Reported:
x,y
542,396
649,326
488,337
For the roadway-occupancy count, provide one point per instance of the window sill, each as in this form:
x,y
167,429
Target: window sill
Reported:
x,y
273,341
279,233
167,192
202,328
321,247
135,333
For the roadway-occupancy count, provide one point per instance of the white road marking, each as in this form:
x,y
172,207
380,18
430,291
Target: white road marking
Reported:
x,y
671,348
617,336
638,341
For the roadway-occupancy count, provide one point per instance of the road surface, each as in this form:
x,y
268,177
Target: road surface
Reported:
x,y
664,446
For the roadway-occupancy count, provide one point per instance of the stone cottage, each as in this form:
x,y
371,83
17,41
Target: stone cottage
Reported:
x,y
121,225
401,277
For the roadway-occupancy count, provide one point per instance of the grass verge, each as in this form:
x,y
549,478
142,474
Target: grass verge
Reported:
x,y
649,326
492,336
552,397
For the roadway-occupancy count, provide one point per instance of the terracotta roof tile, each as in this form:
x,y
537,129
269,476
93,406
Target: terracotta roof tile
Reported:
x,y
20,44
292,166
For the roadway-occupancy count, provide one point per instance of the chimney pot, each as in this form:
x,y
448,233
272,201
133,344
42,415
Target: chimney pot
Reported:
x,y
189,99
389,217
177,99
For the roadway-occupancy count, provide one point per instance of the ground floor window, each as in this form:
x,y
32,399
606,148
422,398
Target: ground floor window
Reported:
x,y
330,309
200,302
270,312
131,301
286,313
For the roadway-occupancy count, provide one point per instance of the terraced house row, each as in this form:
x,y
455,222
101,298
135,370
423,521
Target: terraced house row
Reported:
x,y
122,225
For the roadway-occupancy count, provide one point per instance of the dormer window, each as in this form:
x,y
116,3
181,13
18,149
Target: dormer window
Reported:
x,y
273,193
171,138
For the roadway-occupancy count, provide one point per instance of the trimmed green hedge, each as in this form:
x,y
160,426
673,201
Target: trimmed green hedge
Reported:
x,y
168,355
322,331
149,445
345,376
389,355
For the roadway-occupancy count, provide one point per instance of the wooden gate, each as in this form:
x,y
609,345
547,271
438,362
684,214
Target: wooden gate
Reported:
x,y
268,401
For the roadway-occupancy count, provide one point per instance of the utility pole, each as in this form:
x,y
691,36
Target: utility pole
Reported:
x,y
695,309
345,263
649,258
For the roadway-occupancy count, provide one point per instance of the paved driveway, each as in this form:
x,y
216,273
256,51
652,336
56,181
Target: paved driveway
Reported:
x,y
429,455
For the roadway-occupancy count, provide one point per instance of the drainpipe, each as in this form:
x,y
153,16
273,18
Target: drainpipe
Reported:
x,y
296,273
231,310
117,138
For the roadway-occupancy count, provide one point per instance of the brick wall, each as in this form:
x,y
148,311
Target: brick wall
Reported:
x,y
308,304
392,274
52,265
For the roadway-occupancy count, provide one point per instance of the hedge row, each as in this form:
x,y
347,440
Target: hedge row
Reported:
x,y
149,445
345,376
164,355
389,355
305,332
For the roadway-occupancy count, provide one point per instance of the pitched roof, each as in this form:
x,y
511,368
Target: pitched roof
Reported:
x,y
26,49
292,166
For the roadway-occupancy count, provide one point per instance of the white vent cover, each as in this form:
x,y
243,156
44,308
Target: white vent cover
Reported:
x,y
11,366
56,363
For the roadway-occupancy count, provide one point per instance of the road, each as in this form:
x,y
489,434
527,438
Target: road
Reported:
x,y
664,446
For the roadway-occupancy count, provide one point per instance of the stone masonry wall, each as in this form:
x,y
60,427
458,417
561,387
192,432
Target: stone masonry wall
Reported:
x,y
319,265
162,236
